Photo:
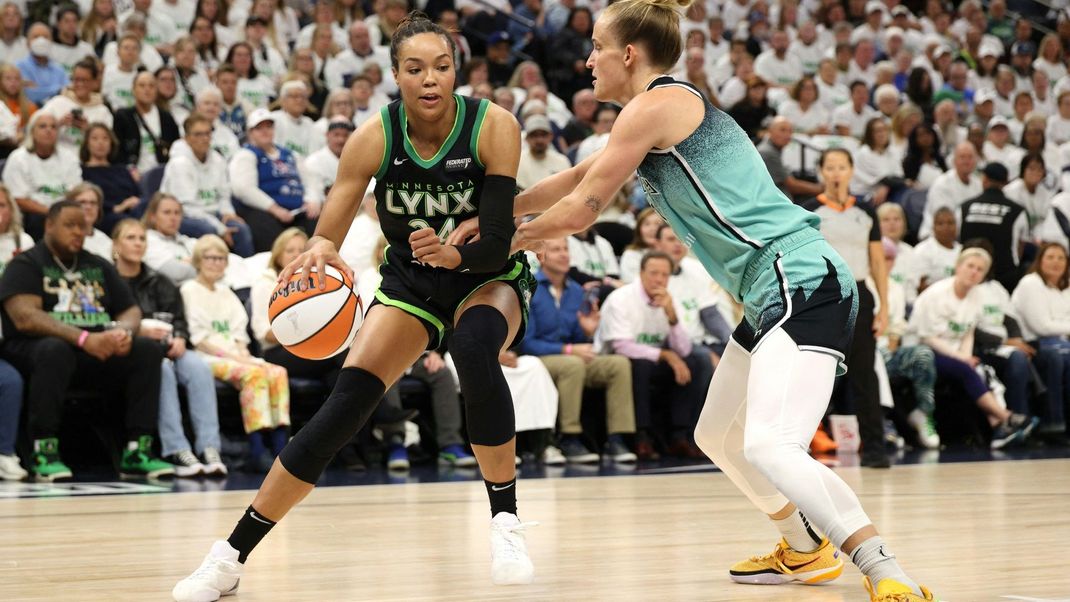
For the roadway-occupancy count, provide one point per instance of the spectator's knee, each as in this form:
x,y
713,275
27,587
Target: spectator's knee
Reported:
x,y
52,351
146,352
572,365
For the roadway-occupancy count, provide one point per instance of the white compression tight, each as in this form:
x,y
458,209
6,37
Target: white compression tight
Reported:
x,y
760,414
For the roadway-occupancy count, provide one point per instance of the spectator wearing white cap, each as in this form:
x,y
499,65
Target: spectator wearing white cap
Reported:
x,y
293,129
268,181
196,176
850,119
321,167
984,74
1058,130
776,66
873,27
913,38
984,107
538,158
999,149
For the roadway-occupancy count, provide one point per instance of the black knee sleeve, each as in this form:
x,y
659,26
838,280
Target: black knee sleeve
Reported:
x,y
355,395
477,338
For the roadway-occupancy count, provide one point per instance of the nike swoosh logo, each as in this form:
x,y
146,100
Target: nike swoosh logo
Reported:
x,y
257,518
399,162
799,566
496,488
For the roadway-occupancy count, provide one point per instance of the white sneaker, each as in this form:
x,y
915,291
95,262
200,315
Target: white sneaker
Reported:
x,y
213,463
11,469
217,576
187,464
925,428
551,456
509,561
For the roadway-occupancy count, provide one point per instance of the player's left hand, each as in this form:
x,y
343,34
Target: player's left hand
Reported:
x,y
429,250
522,243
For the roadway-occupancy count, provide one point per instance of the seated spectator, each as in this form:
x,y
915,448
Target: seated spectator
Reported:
x,y
209,102
893,225
68,49
830,90
923,162
159,27
366,101
1031,192
11,388
878,167
1058,130
293,130
169,252
14,98
197,176
696,293
118,83
606,117
265,46
339,104
945,317
235,111
956,186
90,198
753,112
53,295
641,322
166,92
134,25
266,180
211,38
581,125
122,195
771,148
594,265
349,63
561,324
145,132
78,106
998,147
538,159
217,324
321,167
43,78
936,255
191,78
527,81
253,87
40,173
13,240
1042,302
805,111
913,363
1034,142
535,402
13,46
1001,221
646,237
850,119
160,301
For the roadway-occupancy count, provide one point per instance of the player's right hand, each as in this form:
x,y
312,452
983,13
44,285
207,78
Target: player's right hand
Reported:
x,y
319,254
465,232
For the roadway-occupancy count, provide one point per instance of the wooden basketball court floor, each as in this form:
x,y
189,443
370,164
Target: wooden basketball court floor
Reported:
x,y
972,532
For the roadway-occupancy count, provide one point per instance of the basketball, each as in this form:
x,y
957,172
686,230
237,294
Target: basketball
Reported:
x,y
312,323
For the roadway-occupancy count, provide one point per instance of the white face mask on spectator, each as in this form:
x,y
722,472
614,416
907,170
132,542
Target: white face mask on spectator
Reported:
x,y
41,47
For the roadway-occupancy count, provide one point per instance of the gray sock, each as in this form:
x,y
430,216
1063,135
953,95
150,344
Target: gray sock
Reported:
x,y
877,562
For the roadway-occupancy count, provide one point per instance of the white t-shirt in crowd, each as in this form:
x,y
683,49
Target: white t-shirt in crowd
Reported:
x,y
118,87
934,261
149,127
594,259
845,116
321,168
45,181
777,71
1043,311
298,135
951,192
805,121
692,290
533,170
257,92
906,271
1036,203
626,316
939,313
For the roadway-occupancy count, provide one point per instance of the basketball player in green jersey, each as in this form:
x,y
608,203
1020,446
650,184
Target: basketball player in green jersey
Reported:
x,y
437,158
708,182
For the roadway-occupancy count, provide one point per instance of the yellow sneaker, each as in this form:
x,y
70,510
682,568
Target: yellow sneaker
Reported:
x,y
890,590
785,565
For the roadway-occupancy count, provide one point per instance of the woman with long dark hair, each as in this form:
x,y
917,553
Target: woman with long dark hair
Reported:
x,y
568,54
923,162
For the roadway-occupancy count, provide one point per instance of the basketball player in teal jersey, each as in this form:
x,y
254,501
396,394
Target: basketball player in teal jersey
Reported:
x,y
472,151
705,178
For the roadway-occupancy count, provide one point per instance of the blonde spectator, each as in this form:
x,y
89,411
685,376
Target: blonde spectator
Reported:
x,y
78,106
217,325
12,239
13,96
39,173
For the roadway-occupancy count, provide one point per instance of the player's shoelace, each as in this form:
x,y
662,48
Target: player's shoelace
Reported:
x,y
512,550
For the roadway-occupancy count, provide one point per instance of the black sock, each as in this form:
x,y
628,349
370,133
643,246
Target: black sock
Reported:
x,y
252,527
502,497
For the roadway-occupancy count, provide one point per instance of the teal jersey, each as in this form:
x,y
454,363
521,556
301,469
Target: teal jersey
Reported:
x,y
715,192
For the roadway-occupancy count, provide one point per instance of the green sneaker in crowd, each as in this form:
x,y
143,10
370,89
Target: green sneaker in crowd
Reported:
x,y
47,466
138,461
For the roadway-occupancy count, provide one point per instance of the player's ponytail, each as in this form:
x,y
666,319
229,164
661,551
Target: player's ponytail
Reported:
x,y
413,24
654,24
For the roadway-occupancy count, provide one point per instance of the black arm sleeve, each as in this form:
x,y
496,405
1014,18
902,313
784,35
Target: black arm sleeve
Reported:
x,y
496,227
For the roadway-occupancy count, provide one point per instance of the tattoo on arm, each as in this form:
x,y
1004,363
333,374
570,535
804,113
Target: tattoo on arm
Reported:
x,y
594,204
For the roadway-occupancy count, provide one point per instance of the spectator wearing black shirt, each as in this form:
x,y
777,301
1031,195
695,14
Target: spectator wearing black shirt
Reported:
x,y
69,318
999,220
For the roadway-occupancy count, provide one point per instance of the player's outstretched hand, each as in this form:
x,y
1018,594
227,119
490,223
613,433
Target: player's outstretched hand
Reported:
x,y
465,232
320,253
428,249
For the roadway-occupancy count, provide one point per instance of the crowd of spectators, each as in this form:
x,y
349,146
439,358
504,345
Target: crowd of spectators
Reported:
x,y
163,159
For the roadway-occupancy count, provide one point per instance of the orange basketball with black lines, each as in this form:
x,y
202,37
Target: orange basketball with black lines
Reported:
x,y
312,323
